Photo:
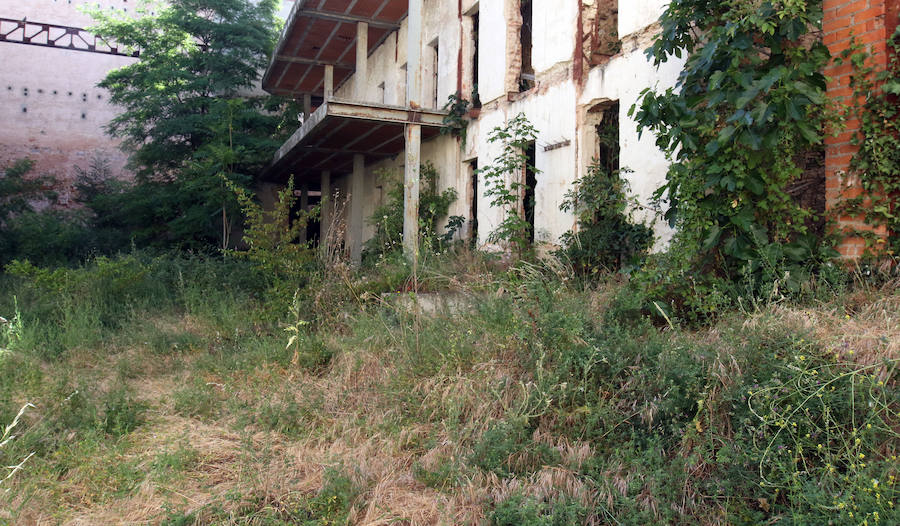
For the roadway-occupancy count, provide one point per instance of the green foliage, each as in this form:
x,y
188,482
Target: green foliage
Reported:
x,y
187,118
505,182
433,208
877,162
455,122
606,238
749,102
507,449
272,239
519,510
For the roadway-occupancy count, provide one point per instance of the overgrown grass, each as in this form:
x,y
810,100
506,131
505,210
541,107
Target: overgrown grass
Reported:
x,y
529,397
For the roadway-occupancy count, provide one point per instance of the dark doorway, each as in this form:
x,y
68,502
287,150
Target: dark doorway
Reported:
x,y
473,206
528,195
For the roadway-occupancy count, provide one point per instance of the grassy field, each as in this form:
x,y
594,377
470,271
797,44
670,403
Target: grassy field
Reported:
x,y
173,390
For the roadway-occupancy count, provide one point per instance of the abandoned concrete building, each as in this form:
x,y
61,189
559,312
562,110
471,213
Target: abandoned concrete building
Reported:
x,y
380,72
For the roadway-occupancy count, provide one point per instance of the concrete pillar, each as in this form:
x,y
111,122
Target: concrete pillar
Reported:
x,y
325,207
357,196
413,132
304,205
411,191
362,61
307,105
414,55
329,83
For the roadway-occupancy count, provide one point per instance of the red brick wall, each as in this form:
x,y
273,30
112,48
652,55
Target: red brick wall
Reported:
x,y
870,23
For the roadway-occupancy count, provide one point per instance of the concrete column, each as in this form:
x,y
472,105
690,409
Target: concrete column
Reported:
x,y
307,105
414,55
304,205
413,132
329,82
325,207
362,61
411,191
357,196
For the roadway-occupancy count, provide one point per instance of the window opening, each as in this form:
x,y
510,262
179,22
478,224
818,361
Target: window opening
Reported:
x,y
476,99
435,57
526,77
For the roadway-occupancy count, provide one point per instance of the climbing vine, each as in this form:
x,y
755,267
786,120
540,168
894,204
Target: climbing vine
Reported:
x,y
749,103
877,163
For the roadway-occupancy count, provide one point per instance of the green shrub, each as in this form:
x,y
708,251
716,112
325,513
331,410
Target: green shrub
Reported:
x,y
197,399
433,208
519,510
121,412
507,449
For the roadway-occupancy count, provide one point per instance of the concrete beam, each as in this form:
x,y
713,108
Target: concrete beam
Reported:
x,y
348,19
411,191
357,197
329,82
362,61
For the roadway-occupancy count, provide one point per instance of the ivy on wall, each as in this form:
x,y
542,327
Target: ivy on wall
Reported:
x,y
877,163
749,103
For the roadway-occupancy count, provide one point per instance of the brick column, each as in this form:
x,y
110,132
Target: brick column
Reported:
x,y
870,23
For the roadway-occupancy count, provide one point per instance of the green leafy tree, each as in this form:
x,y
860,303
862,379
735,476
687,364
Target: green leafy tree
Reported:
x,y
749,102
505,182
189,114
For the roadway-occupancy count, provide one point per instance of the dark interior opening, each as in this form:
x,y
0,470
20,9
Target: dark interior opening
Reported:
x,y
528,197
473,206
608,139
526,78
476,99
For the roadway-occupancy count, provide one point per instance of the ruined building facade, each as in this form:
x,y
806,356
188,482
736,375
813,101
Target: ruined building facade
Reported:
x,y
567,65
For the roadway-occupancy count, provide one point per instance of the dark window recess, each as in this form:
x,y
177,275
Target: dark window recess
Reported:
x,y
604,31
527,79
473,207
435,64
528,194
476,99
608,139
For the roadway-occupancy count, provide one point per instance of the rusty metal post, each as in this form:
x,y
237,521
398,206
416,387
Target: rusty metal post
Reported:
x,y
362,61
329,82
413,132
357,196
325,207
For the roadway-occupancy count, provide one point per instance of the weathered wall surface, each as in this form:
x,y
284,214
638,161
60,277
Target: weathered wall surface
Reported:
x,y
52,111
50,106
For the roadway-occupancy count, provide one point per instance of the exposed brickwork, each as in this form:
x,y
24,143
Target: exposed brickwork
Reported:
x,y
870,23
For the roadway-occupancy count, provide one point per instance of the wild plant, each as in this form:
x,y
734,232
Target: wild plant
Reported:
x,y
6,439
505,182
